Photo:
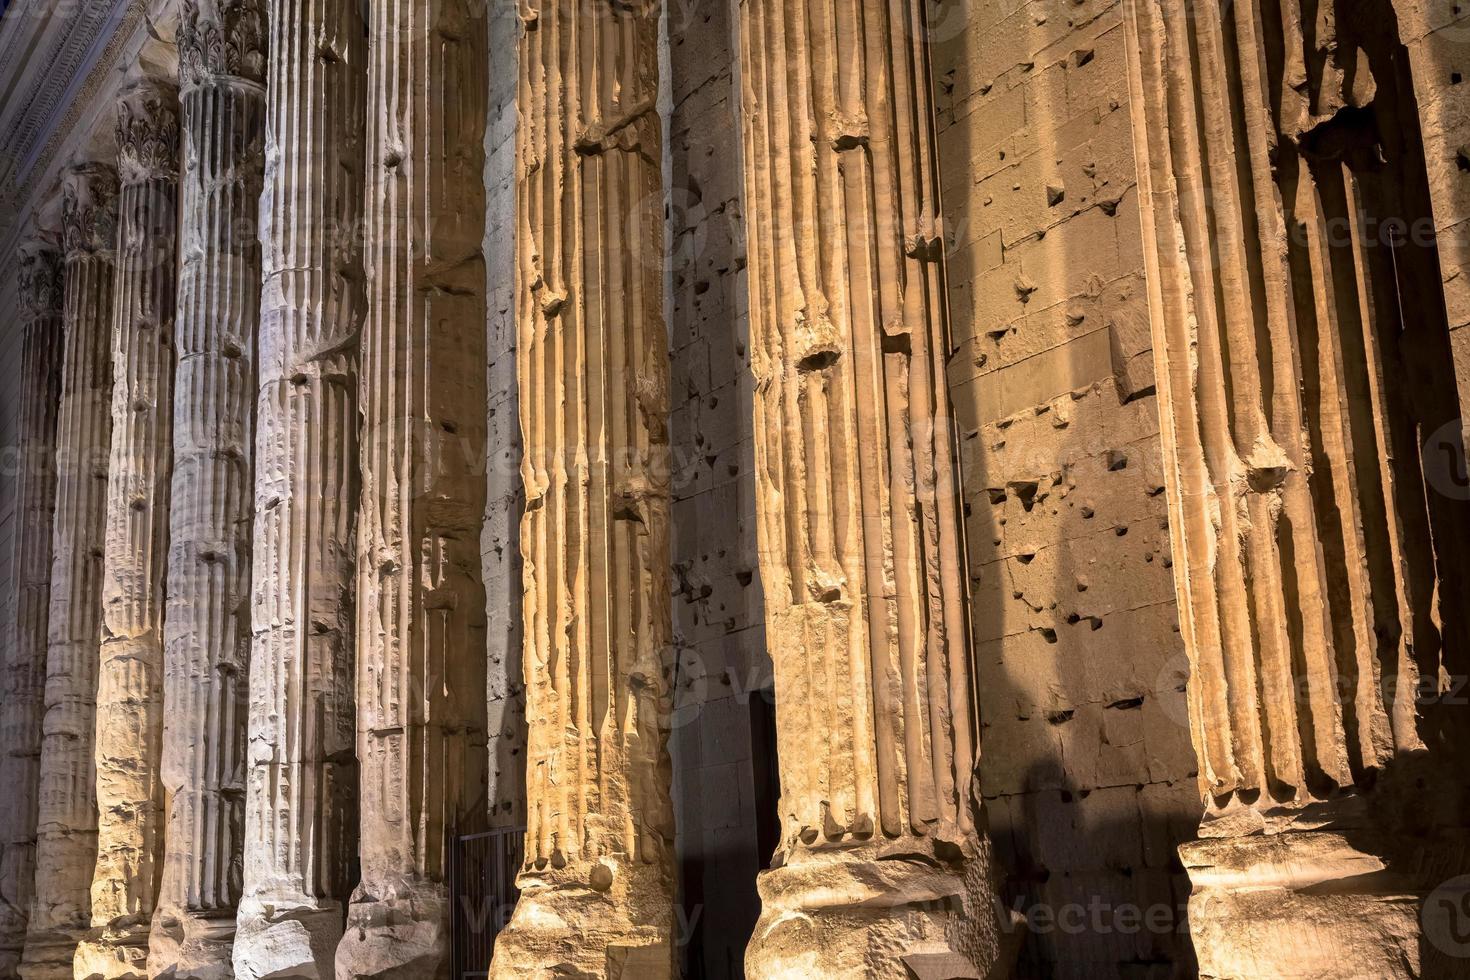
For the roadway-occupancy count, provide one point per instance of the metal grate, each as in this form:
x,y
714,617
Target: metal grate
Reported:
x,y
482,886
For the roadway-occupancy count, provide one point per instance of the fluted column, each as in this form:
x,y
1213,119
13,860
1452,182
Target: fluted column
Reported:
x,y
421,708
39,294
301,808
66,835
861,527
129,721
207,630
1308,398
597,884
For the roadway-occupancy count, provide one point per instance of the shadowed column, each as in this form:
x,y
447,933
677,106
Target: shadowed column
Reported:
x,y
66,844
421,699
302,792
129,727
39,292
206,632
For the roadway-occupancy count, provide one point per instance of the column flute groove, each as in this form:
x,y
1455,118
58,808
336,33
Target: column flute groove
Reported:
x,y
207,630
40,296
421,702
597,883
862,555
301,809
129,720
66,822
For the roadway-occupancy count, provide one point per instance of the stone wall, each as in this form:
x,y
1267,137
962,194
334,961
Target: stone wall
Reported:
x,y
504,499
1086,765
722,702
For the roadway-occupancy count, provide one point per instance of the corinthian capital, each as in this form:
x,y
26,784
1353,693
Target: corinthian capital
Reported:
x,y
89,209
148,132
39,279
222,39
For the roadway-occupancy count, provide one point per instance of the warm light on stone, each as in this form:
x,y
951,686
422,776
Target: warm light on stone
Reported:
x,y
630,489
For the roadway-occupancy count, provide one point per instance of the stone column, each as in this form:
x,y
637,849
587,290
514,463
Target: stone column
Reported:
x,y
39,295
881,868
66,822
129,729
421,700
207,629
301,809
1306,382
598,884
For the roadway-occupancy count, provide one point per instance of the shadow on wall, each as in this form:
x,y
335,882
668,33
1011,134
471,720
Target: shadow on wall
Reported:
x,y
1086,765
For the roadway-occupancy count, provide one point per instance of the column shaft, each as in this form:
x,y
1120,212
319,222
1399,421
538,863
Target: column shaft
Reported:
x,y
40,294
862,555
66,845
421,604
597,885
207,630
1308,397
302,796
129,728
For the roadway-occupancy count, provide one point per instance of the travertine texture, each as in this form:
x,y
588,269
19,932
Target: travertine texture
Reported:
x,y
129,728
1086,766
207,630
421,695
302,794
721,740
66,845
862,556
1304,358
597,884
40,293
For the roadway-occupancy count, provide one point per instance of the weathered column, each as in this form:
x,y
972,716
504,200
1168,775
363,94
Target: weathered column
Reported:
x,y
301,810
1306,380
207,629
881,868
597,888
421,707
66,822
39,295
129,729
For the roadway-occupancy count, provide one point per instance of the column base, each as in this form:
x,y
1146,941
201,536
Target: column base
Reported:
x,y
600,920
404,936
1316,904
113,954
50,955
890,909
286,942
192,947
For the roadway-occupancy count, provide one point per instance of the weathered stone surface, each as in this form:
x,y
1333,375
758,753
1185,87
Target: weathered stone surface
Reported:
x,y
1304,356
129,728
303,776
597,886
39,288
207,630
862,556
66,838
301,805
421,709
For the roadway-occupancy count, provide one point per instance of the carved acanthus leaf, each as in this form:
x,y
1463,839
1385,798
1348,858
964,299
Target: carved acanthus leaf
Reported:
x,y
39,280
89,209
221,39
148,133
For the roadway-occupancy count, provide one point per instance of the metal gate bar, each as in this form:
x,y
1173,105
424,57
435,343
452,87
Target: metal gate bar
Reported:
x,y
482,888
